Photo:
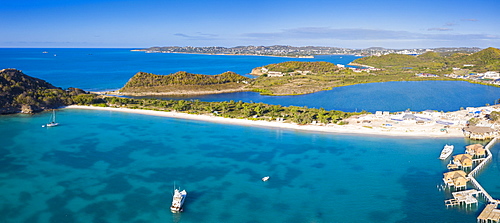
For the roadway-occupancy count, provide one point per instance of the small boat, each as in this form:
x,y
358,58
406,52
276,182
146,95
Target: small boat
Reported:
x,y
266,178
446,152
52,122
178,200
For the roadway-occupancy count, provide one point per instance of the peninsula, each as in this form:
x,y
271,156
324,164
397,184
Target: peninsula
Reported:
x,y
293,51
295,78
27,92
183,83
22,93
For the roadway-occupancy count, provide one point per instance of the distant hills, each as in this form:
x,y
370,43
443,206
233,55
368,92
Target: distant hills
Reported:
x,y
292,51
295,77
440,63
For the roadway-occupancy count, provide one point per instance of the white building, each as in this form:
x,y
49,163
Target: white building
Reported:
x,y
491,75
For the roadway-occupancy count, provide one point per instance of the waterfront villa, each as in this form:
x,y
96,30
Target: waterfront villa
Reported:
x,y
457,179
463,160
476,151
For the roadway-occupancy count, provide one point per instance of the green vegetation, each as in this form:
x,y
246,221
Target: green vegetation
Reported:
x,y
294,77
431,62
22,93
322,76
232,109
313,67
183,82
494,116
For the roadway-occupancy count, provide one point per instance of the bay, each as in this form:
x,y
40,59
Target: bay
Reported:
x,y
388,96
110,69
101,166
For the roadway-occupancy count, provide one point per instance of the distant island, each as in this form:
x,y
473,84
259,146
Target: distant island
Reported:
x,y
298,52
295,78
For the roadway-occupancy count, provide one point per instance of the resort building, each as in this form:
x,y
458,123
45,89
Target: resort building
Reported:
x,y
275,74
479,132
476,151
490,75
463,160
457,179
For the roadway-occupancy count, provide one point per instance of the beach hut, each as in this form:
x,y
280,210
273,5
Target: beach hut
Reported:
x,y
463,160
457,179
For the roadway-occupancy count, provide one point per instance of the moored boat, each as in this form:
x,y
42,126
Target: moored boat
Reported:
x,y
178,200
446,152
53,120
266,178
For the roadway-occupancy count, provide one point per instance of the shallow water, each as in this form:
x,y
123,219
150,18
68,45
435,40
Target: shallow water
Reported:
x,y
101,166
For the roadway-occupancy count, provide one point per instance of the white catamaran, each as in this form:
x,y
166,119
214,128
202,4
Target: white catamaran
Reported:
x,y
446,152
52,120
178,200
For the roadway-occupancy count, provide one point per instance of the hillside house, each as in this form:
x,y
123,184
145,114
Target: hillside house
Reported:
x,y
275,74
490,75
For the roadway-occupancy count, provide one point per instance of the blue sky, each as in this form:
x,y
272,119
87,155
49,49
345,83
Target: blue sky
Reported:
x,y
350,24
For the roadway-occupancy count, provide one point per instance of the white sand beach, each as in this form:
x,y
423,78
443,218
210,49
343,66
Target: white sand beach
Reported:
x,y
403,129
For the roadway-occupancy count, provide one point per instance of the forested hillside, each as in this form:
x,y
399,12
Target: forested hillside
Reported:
x,y
313,67
22,93
183,83
482,61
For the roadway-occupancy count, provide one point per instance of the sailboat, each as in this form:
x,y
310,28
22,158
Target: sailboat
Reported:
x,y
53,122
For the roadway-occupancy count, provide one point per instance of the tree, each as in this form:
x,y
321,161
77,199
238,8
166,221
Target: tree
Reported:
x,y
473,121
494,116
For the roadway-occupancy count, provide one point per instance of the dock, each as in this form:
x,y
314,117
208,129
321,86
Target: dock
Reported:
x,y
489,214
467,197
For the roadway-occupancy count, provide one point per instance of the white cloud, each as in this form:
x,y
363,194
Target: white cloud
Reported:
x,y
439,29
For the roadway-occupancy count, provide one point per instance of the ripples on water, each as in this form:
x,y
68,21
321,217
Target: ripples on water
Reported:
x,y
100,166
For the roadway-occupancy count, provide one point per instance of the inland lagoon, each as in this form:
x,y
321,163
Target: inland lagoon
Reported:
x,y
108,166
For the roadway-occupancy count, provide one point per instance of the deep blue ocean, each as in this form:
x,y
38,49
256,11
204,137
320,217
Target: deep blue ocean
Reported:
x,y
101,166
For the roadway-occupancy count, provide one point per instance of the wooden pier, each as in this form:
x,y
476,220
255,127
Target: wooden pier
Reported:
x,y
469,197
489,214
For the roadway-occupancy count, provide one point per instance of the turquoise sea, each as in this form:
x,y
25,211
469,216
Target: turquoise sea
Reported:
x,y
102,166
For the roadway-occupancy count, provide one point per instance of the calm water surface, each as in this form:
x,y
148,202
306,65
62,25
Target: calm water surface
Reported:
x,y
105,69
101,166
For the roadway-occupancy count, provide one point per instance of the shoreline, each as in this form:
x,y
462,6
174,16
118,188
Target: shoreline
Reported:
x,y
229,54
348,129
